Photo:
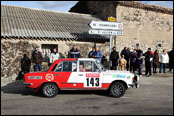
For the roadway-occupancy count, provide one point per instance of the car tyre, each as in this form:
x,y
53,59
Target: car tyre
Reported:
x,y
117,89
49,90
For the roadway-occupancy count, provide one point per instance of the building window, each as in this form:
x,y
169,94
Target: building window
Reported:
x,y
159,45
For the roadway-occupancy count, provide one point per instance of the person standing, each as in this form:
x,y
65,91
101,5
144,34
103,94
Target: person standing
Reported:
x,y
163,59
54,56
47,59
114,57
122,63
133,60
74,52
91,53
155,61
148,62
98,54
171,60
126,53
139,60
37,59
25,65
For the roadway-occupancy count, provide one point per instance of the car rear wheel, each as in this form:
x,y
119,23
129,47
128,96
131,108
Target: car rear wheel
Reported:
x,y
49,90
117,89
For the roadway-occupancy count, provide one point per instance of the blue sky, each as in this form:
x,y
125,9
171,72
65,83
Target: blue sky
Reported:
x,y
66,5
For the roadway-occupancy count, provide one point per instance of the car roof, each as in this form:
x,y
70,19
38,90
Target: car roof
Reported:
x,y
75,59
86,59
66,59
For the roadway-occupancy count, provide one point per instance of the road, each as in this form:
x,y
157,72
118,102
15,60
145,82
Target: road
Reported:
x,y
155,96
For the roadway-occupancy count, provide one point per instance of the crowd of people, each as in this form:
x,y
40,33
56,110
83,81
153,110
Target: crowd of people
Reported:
x,y
133,61
130,60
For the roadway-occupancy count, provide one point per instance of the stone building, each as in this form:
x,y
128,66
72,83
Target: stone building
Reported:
x,y
144,25
22,29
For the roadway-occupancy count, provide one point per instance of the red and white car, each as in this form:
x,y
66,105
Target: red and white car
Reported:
x,y
80,74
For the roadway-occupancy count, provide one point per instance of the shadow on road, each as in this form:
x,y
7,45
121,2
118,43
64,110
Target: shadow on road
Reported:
x,y
17,87
84,92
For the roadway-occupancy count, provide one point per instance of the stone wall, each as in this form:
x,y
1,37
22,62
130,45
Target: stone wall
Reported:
x,y
11,55
146,28
12,51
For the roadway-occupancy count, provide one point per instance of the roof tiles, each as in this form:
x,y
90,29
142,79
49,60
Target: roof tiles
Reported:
x,y
34,23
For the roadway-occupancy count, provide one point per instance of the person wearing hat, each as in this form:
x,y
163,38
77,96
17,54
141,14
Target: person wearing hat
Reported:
x,y
148,62
37,59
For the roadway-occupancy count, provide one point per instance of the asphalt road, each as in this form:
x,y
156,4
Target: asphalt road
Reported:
x,y
155,96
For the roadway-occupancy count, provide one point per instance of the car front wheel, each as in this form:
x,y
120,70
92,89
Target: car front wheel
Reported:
x,y
49,90
117,89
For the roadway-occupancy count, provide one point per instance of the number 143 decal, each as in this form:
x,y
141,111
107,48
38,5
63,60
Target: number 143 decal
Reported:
x,y
92,82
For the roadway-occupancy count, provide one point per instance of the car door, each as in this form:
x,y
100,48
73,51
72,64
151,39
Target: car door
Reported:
x,y
64,74
89,76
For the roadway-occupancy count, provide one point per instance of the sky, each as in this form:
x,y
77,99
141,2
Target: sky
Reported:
x,y
65,6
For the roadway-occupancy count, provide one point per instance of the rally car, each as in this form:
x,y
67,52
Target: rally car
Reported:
x,y
80,74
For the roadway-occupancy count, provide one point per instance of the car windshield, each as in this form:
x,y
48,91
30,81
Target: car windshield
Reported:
x,y
100,65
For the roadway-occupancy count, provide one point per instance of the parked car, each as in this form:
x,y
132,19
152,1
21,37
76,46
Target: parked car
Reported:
x,y
80,74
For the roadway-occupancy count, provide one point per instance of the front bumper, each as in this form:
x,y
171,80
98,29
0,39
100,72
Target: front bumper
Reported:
x,y
27,84
135,82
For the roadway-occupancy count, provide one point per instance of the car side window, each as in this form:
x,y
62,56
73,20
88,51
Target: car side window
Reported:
x,y
54,67
67,66
59,68
74,66
85,66
96,69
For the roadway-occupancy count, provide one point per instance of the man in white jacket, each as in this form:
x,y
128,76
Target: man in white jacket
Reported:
x,y
163,59
54,56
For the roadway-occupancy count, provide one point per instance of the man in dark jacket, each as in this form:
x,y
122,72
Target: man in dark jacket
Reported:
x,y
25,67
148,62
91,53
25,64
37,59
133,60
126,53
139,60
74,53
155,61
171,60
114,58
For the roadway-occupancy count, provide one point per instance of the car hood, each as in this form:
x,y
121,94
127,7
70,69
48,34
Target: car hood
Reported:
x,y
110,72
36,73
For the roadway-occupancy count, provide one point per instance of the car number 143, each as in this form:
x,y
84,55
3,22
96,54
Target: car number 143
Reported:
x,y
92,82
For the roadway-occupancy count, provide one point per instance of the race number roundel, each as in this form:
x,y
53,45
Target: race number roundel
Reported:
x,y
49,77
